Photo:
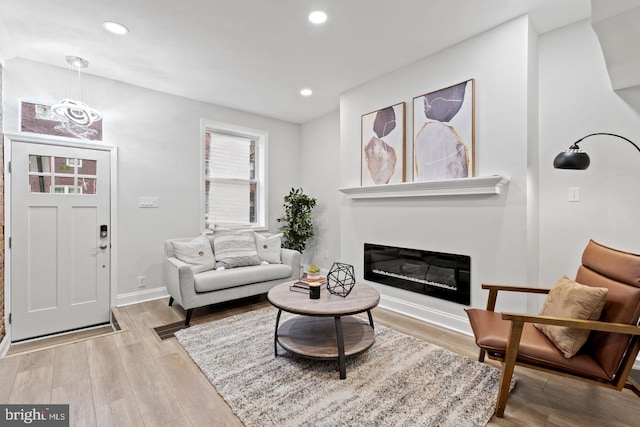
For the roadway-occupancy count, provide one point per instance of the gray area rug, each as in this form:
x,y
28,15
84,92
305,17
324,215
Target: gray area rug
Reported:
x,y
399,381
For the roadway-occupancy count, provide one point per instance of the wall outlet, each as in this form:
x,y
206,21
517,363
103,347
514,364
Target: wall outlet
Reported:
x,y
142,281
326,254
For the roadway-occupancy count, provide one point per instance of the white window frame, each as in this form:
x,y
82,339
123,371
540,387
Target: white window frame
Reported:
x,y
261,139
75,163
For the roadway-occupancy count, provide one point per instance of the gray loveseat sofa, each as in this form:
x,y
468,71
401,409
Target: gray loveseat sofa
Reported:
x,y
201,288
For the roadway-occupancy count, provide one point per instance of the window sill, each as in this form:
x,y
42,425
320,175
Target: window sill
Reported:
x,y
488,185
236,227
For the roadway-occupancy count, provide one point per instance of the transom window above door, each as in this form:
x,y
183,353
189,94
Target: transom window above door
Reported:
x,y
61,175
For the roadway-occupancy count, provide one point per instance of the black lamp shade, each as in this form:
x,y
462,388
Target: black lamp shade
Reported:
x,y
572,159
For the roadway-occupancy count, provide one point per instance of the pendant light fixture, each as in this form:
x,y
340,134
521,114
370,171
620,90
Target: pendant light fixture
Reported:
x,y
77,112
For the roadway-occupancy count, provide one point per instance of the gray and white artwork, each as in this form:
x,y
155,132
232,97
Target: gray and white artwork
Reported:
x,y
443,134
383,146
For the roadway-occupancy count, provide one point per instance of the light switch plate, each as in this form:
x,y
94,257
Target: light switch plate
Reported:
x,y
148,202
574,194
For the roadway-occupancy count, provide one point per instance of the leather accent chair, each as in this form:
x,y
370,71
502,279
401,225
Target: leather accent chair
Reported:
x,y
608,356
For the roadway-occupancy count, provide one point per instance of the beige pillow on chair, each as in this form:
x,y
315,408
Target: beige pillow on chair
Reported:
x,y
573,300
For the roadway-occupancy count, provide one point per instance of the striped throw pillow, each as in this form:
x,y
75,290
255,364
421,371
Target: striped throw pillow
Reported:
x,y
235,248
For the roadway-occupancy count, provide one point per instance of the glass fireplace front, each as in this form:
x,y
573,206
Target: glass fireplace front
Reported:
x,y
437,274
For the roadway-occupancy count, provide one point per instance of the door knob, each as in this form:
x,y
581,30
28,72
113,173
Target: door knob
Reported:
x,y
103,246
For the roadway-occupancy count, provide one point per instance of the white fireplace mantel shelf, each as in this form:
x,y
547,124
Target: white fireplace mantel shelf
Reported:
x,y
453,187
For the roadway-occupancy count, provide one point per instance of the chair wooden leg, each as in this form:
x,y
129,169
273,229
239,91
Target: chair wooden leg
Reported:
x,y
508,367
481,355
170,301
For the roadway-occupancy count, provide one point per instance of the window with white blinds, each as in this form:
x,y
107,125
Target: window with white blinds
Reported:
x,y
234,176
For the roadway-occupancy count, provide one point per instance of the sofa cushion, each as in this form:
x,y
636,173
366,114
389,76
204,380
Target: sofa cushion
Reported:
x,y
572,300
269,248
235,248
197,253
216,280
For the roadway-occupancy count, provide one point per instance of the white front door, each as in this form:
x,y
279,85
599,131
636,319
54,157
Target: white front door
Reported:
x,y
60,238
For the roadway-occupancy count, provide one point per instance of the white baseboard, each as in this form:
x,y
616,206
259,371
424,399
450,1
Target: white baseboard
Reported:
x,y
429,315
141,296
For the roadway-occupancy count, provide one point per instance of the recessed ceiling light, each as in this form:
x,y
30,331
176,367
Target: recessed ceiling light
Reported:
x,y
318,17
115,28
306,92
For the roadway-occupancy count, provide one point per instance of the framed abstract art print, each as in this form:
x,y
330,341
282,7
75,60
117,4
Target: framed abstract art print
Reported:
x,y
443,121
382,146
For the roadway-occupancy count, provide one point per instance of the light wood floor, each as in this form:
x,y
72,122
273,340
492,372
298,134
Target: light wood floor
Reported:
x,y
131,378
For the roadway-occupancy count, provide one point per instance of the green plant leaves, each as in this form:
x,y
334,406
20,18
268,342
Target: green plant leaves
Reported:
x,y
297,221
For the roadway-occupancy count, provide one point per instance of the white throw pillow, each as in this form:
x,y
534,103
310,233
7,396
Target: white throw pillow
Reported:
x,y
269,248
235,248
197,253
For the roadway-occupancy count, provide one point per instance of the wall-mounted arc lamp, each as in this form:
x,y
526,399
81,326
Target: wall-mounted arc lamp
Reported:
x,y
574,158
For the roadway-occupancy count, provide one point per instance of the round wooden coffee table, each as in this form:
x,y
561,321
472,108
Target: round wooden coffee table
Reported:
x,y
323,330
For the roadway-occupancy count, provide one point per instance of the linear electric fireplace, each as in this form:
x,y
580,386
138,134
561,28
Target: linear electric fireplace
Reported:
x,y
437,274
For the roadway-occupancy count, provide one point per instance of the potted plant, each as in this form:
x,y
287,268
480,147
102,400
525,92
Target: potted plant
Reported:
x,y
297,223
313,271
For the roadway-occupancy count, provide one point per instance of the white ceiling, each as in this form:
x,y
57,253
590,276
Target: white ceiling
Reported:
x,y
256,55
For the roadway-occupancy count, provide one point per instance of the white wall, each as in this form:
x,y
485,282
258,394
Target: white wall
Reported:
x,y
533,179
491,229
320,177
158,139
534,97
576,99
158,136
